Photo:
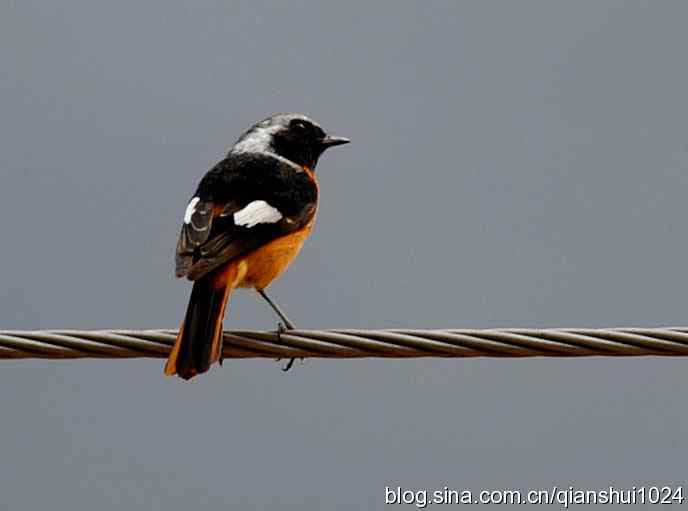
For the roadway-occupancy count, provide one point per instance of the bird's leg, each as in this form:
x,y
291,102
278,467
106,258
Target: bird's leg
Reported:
x,y
275,307
280,327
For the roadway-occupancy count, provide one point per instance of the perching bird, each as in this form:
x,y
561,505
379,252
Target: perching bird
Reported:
x,y
244,225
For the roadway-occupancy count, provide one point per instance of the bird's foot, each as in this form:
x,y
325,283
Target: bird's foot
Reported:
x,y
280,330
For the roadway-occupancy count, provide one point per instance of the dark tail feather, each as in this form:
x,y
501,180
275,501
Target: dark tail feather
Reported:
x,y
199,341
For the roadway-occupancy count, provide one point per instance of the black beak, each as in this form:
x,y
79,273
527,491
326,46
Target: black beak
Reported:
x,y
331,141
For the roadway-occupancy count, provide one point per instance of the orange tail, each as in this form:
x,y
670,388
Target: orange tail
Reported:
x,y
199,341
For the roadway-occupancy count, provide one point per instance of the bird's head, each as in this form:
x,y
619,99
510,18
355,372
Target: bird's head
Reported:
x,y
292,136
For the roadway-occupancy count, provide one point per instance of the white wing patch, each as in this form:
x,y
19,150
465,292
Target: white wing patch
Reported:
x,y
257,212
190,210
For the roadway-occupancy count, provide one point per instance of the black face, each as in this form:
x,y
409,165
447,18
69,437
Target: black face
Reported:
x,y
303,142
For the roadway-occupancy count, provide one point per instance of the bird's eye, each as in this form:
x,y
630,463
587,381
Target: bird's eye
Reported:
x,y
299,126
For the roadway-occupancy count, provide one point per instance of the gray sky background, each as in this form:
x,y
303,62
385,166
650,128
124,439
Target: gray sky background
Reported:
x,y
514,164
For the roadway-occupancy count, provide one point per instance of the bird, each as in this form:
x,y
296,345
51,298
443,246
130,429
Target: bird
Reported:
x,y
242,228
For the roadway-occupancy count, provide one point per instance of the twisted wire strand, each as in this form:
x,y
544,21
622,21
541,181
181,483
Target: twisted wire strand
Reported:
x,y
353,343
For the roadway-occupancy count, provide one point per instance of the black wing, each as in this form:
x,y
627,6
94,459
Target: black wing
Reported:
x,y
244,202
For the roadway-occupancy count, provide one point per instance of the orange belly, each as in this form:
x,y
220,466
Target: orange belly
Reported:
x,y
260,267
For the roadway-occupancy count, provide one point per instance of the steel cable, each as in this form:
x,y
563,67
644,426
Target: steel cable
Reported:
x,y
353,343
